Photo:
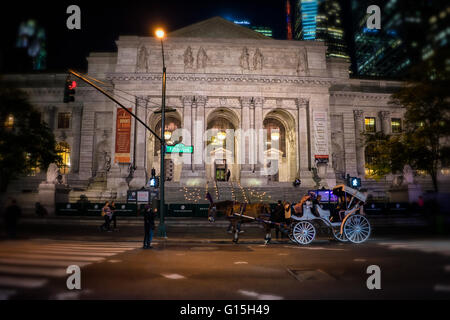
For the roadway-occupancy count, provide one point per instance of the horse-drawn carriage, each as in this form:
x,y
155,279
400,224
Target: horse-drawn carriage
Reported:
x,y
341,212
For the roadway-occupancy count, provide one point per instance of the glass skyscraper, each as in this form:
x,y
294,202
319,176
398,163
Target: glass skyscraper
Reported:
x,y
408,35
321,20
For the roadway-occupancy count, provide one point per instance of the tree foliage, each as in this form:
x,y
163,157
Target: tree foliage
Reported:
x,y
424,143
28,143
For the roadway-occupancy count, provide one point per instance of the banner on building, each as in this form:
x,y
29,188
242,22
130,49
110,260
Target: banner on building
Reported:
x,y
123,135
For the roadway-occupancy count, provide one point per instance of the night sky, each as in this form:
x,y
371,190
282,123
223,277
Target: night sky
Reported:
x,y
103,21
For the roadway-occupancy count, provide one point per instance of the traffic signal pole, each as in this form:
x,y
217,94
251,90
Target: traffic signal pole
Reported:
x,y
162,226
79,76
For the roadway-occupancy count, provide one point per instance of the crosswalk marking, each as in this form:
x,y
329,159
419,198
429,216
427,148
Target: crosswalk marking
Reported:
x,y
16,282
30,264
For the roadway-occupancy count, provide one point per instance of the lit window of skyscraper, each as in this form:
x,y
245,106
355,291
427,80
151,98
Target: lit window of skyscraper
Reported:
x,y
321,20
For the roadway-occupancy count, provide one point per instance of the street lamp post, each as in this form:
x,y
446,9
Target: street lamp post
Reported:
x,y
162,225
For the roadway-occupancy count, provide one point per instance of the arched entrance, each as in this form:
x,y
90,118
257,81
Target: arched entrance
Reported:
x,y
222,145
172,123
280,156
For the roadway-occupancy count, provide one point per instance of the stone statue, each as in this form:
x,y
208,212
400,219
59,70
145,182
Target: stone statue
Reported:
x,y
202,58
408,174
302,64
258,59
53,173
188,58
244,59
142,60
107,161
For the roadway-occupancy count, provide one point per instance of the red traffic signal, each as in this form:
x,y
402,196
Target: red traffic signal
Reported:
x,y
72,85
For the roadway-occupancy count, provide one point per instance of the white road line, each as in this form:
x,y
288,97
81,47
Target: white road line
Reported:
x,y
31,271
52,257
173,276
241,262
114,261
259,296
66,253
442,288
359,260
43,263
28,283
316,248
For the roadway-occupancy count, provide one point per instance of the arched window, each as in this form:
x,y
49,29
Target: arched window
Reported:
x,y
63,150
276,134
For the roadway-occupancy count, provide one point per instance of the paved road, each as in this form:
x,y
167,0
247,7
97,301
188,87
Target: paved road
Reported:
x,y
214,269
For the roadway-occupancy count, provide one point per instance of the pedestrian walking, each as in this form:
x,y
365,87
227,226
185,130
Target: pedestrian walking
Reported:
x,y
40,210
12,215
106,214
228,175
112,206
149,225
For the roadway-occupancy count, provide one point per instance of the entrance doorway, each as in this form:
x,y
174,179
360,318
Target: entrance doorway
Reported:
x,y
220,169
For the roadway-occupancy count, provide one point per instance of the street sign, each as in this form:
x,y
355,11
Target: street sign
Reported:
x,y
179,148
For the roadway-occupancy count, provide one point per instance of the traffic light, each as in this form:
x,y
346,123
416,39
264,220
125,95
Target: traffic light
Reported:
x,y
69,90
354,182
153,182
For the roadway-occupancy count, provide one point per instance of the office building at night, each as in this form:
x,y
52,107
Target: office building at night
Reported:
x,y
408,35
321,20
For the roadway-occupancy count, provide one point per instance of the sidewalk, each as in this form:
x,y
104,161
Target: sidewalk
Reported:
x,y
399,220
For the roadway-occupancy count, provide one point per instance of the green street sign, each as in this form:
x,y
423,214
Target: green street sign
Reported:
x,y
179,148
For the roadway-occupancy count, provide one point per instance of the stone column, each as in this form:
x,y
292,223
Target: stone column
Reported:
x,y
359,139
199,130
385,117
245,126
87,143
259,140
303,151
139,175
76,131
187,126
349,143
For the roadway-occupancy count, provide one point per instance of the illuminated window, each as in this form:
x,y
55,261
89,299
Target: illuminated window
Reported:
x,y
64,120
34,168
369,155
9,122
369,124
63,150
396,125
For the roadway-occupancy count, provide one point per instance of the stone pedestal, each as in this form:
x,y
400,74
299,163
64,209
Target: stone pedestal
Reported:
x,y
50,194
139,179
408,193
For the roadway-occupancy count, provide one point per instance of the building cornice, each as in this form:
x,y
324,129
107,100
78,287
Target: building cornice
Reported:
x,y
211,78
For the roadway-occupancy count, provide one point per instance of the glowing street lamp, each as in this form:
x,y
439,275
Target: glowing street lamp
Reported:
x,y
167,135
160,33
162,227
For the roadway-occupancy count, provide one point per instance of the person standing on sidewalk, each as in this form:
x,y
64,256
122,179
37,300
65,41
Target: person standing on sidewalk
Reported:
x,y
106,214
112,206
12,215
149,226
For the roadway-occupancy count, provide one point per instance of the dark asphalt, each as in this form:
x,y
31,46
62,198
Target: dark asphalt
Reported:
x,y
202,263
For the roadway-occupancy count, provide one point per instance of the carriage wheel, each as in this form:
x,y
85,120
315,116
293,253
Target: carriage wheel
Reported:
x,y
339,236
357,228
291,236
304,232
